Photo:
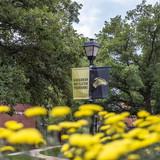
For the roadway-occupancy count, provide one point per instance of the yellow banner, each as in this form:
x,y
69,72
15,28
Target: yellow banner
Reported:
x,y
80,83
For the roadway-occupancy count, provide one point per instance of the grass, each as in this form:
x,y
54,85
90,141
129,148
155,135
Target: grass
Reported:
x,y
20,157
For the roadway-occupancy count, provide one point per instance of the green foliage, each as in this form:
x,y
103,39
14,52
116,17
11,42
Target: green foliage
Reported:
x,y
39,39
131,46
12,85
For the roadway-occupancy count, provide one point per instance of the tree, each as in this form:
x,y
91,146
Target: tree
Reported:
x,y
36,39
132,47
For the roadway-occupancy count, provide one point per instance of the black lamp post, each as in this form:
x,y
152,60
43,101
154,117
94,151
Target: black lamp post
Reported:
x,y
91,49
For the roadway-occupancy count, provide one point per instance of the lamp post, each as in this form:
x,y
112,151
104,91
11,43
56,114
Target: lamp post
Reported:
x,y
91,50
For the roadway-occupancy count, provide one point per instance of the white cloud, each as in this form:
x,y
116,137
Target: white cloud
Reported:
x,y
95,12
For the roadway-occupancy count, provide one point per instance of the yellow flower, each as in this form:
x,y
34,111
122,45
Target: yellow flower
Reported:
x,y
5,133
7,148
65,147
71,130
102,113
116,136
106,139
137,133
143,114
68,124
92,107
137,122
4,109
145,124
65,137
35,111
13,125
121,124
109,115
83,140
78,158
92,152
83,113
60,111
115,149
26,136
68,154
53,128
153,119
133,157
116,118
111,131
155,127
105,127
83,122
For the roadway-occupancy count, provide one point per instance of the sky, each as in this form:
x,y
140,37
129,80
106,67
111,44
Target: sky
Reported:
x,y
95,12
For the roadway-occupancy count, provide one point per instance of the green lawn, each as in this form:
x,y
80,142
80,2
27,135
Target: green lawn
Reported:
x,y
21,157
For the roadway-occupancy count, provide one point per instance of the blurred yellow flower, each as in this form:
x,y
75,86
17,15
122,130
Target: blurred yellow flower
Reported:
x,y
153,119
5,133
155,127
13,125
4,109
104,139
143,114
116,118
83,113
69,124
83,122
144,124
92,152
137,122
65,147
53,128
29,136
102,113
137,133
65,137
133,157
115,149
71,130
35,111
68,154
78,158
83,140
60,111
7,148
92,107
105,127
109,115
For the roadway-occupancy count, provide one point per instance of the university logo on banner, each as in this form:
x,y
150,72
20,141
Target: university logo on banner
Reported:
x,y
80,83
99,77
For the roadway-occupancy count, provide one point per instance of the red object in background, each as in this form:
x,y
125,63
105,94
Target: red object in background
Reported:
x,y
129,121
18,116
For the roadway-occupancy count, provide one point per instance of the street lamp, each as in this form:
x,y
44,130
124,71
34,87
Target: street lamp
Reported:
x,y
91,49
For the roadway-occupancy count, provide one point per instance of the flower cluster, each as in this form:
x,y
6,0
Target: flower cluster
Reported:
x,y
114,139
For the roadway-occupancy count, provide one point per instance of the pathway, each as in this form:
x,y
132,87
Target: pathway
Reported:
x,y
36,153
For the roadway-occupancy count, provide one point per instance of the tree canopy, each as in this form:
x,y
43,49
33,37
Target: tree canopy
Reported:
x,y
38,46
131,45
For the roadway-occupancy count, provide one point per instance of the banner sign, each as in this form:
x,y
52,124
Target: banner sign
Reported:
x,y
90,83
99,77
80,83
